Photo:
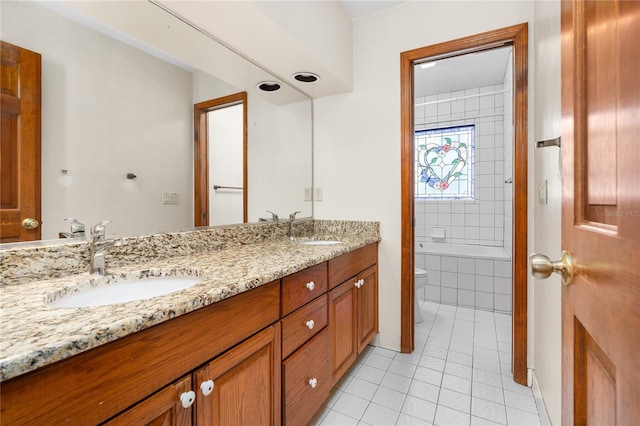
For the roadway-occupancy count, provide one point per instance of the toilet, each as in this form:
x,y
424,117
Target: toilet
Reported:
x,y
421,279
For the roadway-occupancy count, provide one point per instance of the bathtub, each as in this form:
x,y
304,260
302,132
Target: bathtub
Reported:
x,y
466,275
462,250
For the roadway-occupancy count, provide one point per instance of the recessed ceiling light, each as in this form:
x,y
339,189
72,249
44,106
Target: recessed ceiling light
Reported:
x,y
269,86
306,77
426,65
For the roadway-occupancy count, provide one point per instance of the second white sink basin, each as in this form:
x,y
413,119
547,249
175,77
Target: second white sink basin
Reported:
x,y
125,291
321,242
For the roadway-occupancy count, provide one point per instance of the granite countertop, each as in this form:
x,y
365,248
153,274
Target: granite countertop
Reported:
x,y
35,334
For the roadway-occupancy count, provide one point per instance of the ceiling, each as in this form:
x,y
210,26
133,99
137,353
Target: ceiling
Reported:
x,y
462,72
358,8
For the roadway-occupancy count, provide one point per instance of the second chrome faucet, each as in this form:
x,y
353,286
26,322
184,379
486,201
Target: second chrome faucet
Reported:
x,y
98,248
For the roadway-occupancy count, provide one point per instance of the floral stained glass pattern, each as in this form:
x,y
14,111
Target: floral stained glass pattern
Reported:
x,y
445,163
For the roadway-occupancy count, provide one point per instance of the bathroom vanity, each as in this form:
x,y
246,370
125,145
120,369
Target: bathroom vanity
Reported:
x,y
265,347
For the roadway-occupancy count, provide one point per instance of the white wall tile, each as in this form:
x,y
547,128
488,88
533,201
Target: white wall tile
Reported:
x,y
449,295
449,264
484,283
466,281
484,267
449,279
502,285
484,300
502,268
466,265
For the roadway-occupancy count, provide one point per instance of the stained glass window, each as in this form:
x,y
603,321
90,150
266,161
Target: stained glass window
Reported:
x,y
445,163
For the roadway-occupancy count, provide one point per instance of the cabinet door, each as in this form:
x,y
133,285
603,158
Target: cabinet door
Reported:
x,y
306,379
163,408
343,323
367,307
246,383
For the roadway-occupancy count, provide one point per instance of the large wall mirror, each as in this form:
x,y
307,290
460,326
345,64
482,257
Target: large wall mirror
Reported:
x,y
119,85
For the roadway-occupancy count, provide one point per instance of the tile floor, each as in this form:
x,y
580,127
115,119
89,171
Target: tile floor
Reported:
x,y
459,374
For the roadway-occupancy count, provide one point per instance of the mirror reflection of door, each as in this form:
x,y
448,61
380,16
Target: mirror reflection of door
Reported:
x,y
220,160
20,214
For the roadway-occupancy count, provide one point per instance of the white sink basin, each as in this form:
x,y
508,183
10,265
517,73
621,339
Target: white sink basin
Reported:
x,y
125,291
321,242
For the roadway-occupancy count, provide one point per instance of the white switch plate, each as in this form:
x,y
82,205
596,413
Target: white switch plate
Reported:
x,y
169,198
317,194
307,194
542,192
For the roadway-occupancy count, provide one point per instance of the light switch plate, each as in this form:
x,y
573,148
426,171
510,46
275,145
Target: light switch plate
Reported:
x,y
308,195
169,198
317,193
542,192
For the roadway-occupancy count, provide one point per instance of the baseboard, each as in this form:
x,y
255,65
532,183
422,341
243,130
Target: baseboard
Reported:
x,y
537,394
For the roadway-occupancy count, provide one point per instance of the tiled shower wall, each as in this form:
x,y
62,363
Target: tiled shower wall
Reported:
x,y
487,220
508,156
479,221
463,281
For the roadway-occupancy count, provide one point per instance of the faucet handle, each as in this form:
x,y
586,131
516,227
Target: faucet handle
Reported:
x,y
99,229
76,226
274,216
292,216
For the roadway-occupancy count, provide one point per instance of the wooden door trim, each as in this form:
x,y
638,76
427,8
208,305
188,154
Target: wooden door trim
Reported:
x,y
517,37
201,155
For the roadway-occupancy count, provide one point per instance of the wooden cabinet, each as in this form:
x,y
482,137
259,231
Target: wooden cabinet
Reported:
x,y
264,357
101,383
244,384
306,378
240,387
162,408
353,308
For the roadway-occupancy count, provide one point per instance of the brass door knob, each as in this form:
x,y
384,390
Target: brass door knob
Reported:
x,y
30,223
542,266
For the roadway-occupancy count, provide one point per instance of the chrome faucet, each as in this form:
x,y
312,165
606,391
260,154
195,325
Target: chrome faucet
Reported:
x,y
292,220
77,229
98,247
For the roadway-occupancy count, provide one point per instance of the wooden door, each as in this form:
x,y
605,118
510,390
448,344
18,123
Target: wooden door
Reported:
x,y
601,211
343,323
20,96
246,384
367,307
163,408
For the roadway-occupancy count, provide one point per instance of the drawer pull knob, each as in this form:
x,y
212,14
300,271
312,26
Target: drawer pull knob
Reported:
x,y
187,398
358,284
206,387
311,285
310,324
313,382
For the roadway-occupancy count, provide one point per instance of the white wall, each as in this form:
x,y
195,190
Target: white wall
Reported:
x,y
547,294
107,109
357,135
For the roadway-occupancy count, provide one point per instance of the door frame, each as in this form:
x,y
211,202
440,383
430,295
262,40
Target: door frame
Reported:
x,y
201,155
517,37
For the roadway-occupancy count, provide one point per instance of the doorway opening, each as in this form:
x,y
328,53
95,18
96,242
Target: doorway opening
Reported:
x,y
220,160
515,38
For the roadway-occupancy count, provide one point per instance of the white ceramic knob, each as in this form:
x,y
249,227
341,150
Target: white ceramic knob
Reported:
x,y
310,324
206,387
313,382
357,284
311,285
187,398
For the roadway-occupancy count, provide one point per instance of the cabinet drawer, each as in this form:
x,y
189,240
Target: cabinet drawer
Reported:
x,y
348,265
296,327
307,367
303,287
